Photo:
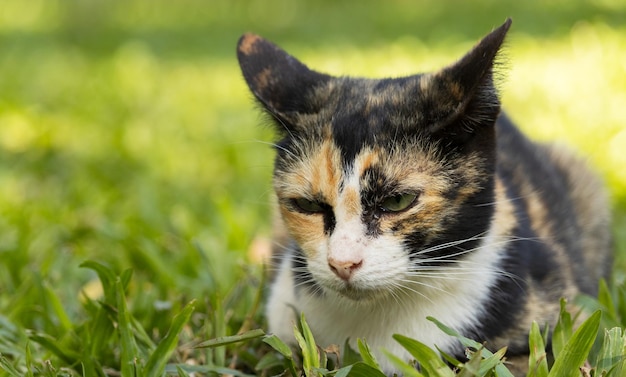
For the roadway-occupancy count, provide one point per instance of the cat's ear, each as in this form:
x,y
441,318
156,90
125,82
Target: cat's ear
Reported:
x,y
462,97
278,80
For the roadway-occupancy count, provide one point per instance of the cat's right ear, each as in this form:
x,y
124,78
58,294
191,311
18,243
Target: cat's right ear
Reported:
x,y
279,81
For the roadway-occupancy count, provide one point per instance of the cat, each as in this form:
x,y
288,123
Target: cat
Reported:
x,y
409,197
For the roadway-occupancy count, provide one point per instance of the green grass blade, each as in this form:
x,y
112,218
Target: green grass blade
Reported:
x,y
181,372
576,350
612,352
605,298
306,356
490,363
472,366
269,360
500,369
141,336
282,348
449,358
101,329
450,331
127,341
366,354
157,361
405,368
310,340
6,366
218,355
361,369
277,344
52,345
29,361
350,356
310,352
537,360
204,370
430,361
621,305
57,308
225,340
106,276
562,330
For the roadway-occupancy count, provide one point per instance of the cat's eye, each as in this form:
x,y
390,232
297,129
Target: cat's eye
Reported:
x,y
398,202
309,206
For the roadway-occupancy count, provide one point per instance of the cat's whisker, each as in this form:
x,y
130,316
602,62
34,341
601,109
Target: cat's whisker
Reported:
x,y
401,288
451,244
277,118
504,241
279,147
422,284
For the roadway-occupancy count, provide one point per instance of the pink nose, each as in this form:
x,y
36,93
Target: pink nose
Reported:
x,y
344,269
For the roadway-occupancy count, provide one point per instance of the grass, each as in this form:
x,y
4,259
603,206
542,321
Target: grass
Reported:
x,y
129,146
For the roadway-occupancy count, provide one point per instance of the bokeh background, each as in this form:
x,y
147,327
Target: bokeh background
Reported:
x,y
127,135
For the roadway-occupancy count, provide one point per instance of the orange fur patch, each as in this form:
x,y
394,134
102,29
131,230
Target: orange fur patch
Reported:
x,y
326,172
263,78
246,46
351,201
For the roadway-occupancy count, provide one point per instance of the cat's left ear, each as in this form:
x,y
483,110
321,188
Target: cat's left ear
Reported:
x,y
462,97
278,80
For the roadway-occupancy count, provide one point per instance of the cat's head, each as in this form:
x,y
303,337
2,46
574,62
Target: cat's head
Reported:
x,y
379,178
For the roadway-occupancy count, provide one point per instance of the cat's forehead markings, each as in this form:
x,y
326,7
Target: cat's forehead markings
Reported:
x,y
351,200
376,97
325,177
366,160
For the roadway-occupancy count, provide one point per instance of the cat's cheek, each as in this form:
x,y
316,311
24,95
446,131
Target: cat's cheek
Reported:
x,y
307,230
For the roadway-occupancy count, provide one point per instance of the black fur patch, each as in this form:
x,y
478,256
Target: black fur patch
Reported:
x,y
301,274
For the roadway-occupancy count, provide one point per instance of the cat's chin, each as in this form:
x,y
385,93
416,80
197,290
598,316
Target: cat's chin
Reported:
x,y
359,294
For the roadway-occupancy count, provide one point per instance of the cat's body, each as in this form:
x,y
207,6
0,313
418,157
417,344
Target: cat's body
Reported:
x,y
413,197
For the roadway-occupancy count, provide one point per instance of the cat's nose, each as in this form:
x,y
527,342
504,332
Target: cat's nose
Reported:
x,y
344,269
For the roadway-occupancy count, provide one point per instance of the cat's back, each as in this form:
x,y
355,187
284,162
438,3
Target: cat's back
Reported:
x,y
563,202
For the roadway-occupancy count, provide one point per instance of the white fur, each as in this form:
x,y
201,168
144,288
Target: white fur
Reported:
x,y
390,297
456,302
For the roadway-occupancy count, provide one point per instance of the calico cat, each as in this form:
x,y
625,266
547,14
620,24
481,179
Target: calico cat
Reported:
x,y
415,196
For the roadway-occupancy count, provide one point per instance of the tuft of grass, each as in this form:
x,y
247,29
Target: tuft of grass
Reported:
x,y
572,355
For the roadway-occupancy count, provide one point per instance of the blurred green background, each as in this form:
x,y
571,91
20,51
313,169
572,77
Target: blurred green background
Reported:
x,y
128,136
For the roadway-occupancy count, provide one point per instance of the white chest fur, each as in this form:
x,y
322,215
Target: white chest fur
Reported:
x,y
454,296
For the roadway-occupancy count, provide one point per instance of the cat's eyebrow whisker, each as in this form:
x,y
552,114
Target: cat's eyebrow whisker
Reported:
x,y
277,118
277,146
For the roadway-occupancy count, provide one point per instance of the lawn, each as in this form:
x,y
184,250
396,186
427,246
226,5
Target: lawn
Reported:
x,y
128,139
